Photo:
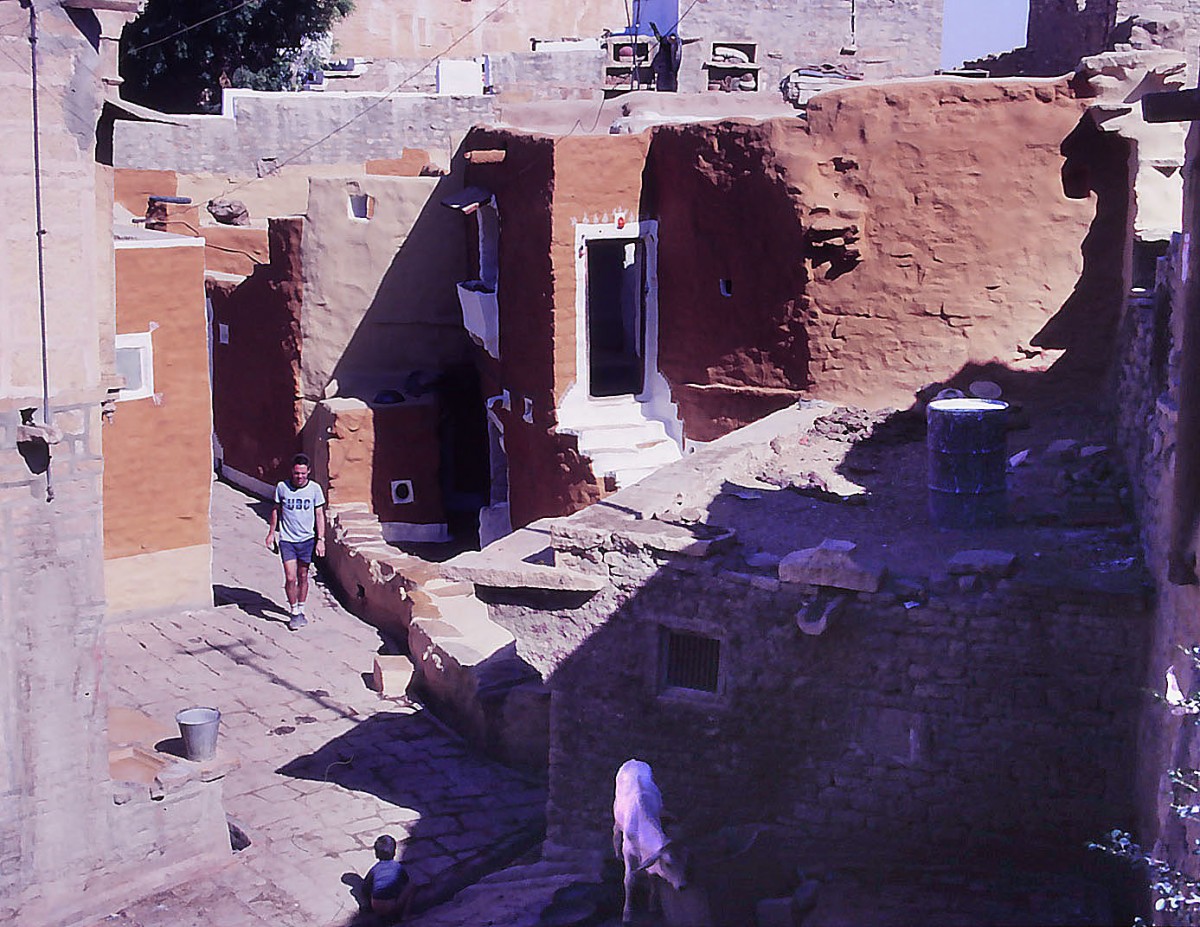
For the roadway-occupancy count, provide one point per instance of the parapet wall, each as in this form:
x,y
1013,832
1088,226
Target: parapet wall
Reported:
x,y
259,131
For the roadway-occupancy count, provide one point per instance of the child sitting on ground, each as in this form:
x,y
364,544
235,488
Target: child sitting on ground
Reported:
x,y
387,885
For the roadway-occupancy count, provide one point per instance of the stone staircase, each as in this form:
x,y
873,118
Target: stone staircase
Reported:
x,y
623,438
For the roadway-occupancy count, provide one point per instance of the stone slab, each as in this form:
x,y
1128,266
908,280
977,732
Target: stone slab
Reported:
x,y
832,563
391,675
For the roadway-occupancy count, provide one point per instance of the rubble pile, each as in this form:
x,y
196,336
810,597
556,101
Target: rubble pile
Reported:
x,y
885,426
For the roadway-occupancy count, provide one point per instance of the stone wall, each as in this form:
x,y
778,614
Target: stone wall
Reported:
x,y
422,29
1061,32
258,132
1158,416
876,38
996,723
69,851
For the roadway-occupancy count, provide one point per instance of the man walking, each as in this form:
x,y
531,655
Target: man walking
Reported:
x,y
299,517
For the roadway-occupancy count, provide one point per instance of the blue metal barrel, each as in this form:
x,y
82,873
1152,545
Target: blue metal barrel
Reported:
x,y
968,456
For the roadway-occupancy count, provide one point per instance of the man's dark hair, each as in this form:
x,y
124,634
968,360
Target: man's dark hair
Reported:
x,y
301,459
385,847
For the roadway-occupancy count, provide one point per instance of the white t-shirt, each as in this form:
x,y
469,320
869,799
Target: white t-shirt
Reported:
x,y
298,510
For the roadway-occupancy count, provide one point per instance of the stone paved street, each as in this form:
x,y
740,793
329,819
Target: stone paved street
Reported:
x,y
326,765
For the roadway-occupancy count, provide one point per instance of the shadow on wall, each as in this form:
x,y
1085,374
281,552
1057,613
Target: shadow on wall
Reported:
x,y
413,321
256,359
1097,162
732,275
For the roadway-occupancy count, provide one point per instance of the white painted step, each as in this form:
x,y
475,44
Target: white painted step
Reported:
x,y
621,437
614,410
654,456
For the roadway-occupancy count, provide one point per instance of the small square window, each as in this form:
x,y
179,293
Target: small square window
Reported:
x,y
135,363
690,661
362,206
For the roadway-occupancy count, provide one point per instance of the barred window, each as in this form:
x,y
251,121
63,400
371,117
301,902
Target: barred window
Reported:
x,y
690,661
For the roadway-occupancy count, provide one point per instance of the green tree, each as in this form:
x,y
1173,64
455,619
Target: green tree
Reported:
x,y
177,56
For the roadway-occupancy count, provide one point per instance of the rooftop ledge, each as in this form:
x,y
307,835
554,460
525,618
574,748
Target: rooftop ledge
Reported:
x,y
118,6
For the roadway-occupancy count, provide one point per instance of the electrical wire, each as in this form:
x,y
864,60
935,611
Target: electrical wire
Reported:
x,y
196,25
373,105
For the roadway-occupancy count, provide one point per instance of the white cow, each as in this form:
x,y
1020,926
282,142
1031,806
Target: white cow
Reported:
x,y
638,837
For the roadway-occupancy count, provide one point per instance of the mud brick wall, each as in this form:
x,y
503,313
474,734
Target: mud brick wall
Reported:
x,y
997,723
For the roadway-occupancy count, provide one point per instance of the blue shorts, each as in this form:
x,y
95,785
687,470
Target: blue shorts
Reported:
x,y
297,550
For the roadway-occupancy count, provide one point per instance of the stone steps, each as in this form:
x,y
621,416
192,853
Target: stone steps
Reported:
x,y
621,437
521,560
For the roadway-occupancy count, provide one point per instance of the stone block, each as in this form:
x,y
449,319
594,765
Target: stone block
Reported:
x,y
832,563
392,675
982,563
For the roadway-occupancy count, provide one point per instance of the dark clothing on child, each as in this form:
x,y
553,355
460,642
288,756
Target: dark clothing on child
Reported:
x,y
386,880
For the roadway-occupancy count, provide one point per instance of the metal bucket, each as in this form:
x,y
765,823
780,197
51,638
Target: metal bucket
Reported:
x,y
968,456
198,727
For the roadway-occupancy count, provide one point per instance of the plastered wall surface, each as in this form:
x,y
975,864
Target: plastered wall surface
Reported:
x,y
361,448
595,180
899,239
549,476
379,297
951,271
158,450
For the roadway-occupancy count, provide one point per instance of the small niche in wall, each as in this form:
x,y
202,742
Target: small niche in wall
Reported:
x,y
726,287
402,492
362,206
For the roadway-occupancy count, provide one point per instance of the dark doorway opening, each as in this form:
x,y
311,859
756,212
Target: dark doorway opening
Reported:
x,y
616,316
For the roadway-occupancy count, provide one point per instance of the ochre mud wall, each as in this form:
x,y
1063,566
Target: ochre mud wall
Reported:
x,y
910,231
158,451
257,411
970,245
727,224
132,188
595,179
546,474
906,234
360,449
